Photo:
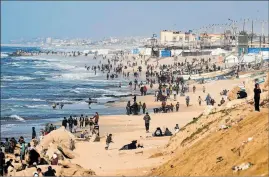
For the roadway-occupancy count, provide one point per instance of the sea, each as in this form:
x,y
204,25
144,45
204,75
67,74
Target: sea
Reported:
x,y
31,84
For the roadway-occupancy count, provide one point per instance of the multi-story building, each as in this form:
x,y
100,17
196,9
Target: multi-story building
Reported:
x,y
169,36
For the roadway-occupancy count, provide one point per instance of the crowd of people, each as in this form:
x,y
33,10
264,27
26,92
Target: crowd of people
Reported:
x,y
26,155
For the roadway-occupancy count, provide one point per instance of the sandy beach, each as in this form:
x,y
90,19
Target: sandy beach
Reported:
x,y
157,151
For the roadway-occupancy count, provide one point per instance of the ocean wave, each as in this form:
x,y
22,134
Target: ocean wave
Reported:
x,y
3,54
21,78
17,118
16,78
40,72
36,106
75,76
97,90
24,99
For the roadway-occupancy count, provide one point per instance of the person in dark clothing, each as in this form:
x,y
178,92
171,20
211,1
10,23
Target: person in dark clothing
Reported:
x,y
135,98
128,108
2,162
144,108
257,92
33,133
7,146
64,123
70,123
33,157
81,121
108,141
8,164
147,121
75,125
50,172
177,106
158,132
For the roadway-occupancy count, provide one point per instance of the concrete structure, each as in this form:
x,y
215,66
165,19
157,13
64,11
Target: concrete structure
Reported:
x,y
168,36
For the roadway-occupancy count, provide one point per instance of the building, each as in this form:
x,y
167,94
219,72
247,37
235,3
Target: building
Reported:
x,y
212,37
168,36
48,40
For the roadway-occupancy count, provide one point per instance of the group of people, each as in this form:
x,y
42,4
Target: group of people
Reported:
x,y
135,108
27,156
74,122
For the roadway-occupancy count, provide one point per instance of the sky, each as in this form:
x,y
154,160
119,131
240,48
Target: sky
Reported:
x,y
95,20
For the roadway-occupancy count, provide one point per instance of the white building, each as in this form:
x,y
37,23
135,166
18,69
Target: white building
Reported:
x,y
48,40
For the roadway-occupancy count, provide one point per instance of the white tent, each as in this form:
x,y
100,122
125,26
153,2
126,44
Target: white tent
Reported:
x,y
218,51
232,59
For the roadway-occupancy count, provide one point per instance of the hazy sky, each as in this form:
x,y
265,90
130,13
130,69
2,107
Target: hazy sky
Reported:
x,y
101,19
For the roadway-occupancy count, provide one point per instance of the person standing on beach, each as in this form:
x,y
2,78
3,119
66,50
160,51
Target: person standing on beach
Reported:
x,y
200,100
22,150
257,92
70,124
208,99
96,118
135,98
187,101
2,162
108,141
81,119
75,125
177,106
33,133
204,89
194,89
147,121
64,123
144,107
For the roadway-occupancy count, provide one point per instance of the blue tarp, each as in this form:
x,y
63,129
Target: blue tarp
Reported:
x,y
165,53
257,50
135,51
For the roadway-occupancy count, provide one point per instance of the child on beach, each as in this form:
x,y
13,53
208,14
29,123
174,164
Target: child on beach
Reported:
x,y
108,141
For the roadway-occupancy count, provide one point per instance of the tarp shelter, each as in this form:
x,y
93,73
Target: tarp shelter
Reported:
x,y
165,53
232,59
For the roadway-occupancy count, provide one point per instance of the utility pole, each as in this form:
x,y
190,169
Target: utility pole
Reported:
x,y
244,25
251,39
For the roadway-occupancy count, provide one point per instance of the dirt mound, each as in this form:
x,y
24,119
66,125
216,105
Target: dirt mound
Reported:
x,y
232,94
59,136
71,170
214,144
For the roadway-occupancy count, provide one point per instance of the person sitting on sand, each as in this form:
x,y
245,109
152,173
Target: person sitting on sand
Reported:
x,y
212,102
50,172
167,132
108,141
54,159
176,128
7,165
140,143
132,145
222,101
38,172
158,132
